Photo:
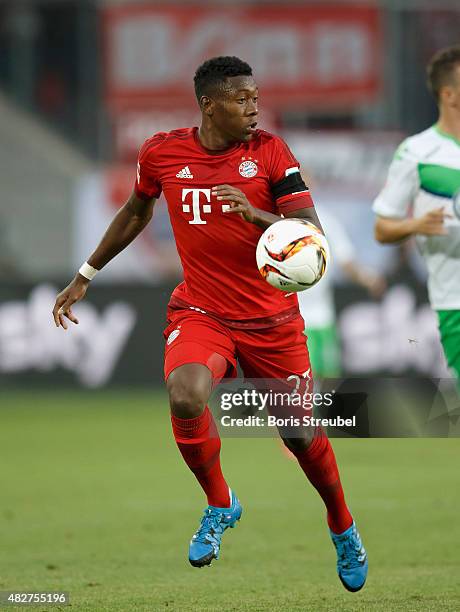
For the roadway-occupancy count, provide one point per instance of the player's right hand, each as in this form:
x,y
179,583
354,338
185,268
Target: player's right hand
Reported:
x,y
74,292
432,223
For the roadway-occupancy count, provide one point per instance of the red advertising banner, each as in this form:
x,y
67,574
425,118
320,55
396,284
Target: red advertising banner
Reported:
x,y
301,55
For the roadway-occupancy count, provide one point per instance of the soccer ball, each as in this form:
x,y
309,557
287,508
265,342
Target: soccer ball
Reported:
x,y
292,255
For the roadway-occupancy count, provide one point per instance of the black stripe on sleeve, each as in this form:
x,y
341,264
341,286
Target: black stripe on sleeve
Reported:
x,y
289,184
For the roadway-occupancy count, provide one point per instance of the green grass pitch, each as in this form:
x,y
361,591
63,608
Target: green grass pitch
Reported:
x,y
95,500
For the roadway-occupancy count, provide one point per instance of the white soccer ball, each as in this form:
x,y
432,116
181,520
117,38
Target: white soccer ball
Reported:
x,y
292,255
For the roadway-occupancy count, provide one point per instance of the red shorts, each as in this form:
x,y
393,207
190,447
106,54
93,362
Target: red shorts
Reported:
x,y
271,353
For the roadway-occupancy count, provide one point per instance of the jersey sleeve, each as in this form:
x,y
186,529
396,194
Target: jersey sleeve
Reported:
x,y
286,183
401,187
148,185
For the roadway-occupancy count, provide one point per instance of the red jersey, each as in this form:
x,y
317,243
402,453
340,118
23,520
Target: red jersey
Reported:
x,y
218,250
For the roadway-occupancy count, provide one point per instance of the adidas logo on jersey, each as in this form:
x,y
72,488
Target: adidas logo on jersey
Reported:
x,y
184,173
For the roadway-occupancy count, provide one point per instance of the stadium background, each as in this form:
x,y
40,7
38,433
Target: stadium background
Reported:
x,y
84,417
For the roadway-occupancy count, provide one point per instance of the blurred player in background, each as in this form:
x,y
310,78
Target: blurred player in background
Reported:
x,y
225,182
425,174
317,304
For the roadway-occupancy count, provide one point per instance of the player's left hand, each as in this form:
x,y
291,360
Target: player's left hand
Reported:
x,y
237,201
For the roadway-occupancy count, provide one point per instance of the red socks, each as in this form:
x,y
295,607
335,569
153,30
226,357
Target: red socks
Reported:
x,y
199,442
318,463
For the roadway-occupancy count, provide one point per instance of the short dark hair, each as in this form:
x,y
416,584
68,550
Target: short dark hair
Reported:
x,y
441,67
214,72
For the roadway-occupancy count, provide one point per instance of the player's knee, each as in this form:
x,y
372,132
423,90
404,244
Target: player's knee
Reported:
x,y
188,394
295,444
299,444
184,404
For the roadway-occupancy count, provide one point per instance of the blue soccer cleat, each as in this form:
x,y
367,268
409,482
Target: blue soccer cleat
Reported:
x,y
352,562
205,544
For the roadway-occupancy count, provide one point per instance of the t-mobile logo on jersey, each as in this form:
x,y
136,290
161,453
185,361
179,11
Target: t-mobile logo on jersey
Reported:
x,y
197,207
196,203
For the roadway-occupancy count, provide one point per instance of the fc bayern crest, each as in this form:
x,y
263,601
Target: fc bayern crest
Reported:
x,y
248,168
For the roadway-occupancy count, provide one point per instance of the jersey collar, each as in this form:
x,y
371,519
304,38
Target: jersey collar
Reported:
x,y
231,149
445,134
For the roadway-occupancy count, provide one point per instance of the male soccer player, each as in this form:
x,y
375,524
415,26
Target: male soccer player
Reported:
x,y
425,173
225,182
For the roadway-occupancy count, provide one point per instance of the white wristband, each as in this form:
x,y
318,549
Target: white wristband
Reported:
x,y
88,271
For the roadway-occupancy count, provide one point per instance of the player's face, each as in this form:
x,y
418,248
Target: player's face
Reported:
x,y
235,109
451,96
456,88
